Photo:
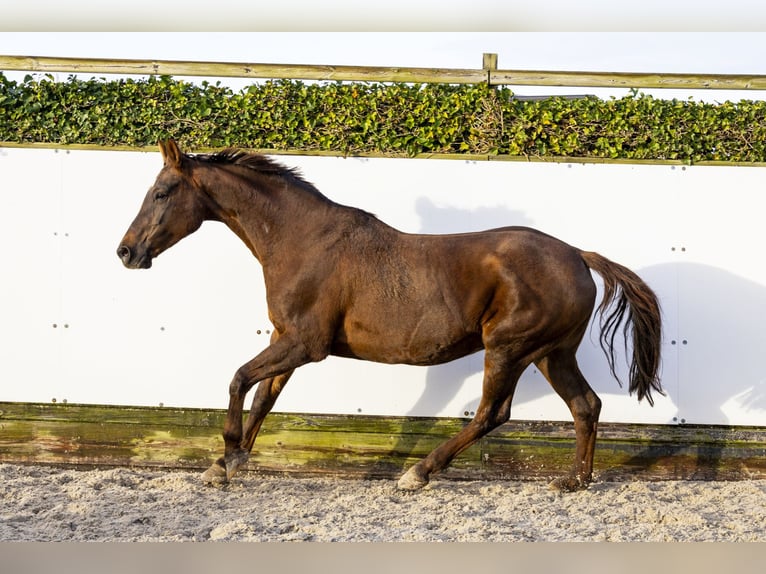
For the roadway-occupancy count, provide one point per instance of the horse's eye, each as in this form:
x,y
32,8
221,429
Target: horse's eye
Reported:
x,y
161,196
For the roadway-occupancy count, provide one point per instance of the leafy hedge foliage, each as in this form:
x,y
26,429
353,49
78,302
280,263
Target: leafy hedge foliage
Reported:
x,y
387,119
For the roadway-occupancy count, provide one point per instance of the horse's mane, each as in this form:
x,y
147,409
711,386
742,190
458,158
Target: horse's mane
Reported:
x,y
256,162
262,164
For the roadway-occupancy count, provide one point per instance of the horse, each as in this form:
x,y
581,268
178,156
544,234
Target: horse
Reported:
x,y
339,281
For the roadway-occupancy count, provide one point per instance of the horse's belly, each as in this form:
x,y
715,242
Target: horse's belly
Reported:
x,y
434,321
418,350
443,352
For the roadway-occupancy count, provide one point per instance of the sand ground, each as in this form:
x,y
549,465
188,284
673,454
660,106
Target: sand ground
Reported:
x,y
42,503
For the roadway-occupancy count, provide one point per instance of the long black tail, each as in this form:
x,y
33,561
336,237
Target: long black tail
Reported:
x,y
633,303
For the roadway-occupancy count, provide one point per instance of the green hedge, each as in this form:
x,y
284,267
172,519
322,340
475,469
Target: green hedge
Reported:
x,y
387,119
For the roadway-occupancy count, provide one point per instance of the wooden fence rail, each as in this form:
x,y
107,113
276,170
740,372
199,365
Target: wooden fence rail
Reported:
x,y
367,446
487,73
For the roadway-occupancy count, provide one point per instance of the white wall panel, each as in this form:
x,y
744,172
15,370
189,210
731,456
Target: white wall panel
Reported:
x,y
30,285
176,333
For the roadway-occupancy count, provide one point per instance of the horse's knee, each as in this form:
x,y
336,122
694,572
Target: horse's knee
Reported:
x,y
240,384
234,387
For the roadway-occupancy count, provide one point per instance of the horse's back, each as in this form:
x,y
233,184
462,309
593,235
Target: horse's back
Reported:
x,y
525,253
529,271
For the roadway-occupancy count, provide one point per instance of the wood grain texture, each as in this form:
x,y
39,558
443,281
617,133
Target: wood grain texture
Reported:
x,y
243,70
370,446
489,73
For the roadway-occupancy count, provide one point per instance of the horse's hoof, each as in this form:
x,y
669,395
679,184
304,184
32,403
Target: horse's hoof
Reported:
x,y
216,474
569,484
411,480
234,461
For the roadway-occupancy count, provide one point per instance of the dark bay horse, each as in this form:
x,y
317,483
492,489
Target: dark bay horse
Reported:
x,y
341,282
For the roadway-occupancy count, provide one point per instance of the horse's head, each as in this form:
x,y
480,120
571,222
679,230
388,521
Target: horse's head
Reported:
x,y
173,208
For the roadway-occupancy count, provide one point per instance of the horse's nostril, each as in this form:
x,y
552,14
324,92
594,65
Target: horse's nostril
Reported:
x,y
123,252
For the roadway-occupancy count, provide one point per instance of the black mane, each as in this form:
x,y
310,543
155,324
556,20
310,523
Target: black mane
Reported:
x,y
256,162
267,166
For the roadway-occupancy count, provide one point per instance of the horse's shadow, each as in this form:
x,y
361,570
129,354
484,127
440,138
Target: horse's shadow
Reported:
x,y
715,377
712,371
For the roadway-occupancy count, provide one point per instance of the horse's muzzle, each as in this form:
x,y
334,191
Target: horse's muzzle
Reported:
x,y
130,260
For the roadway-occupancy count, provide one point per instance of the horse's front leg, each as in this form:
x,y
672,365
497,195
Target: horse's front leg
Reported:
x,y
272,367
265,397
263,401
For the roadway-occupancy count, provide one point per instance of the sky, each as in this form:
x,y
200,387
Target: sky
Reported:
x,y
735,52
661,52
373,15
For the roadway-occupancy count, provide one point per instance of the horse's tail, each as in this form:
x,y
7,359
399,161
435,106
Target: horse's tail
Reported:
x,y
627,294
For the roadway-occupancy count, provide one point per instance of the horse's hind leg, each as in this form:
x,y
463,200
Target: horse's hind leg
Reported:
x,y
561,369
263,401
500,378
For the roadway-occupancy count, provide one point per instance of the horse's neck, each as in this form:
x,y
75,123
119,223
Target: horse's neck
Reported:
x,y
267,214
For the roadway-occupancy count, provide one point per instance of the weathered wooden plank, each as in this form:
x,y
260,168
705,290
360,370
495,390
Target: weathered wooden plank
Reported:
x,y
627,80
422,156
488,73
369,446
243,70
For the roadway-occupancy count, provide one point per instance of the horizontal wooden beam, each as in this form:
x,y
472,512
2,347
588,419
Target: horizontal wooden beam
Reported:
x,y
489,73
243,70
422,156
628,80
369,446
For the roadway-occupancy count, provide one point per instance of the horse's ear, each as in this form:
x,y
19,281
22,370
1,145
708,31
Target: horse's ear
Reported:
x,y
171,153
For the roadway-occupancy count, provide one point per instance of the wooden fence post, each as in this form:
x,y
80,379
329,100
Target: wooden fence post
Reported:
x,y
489,64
